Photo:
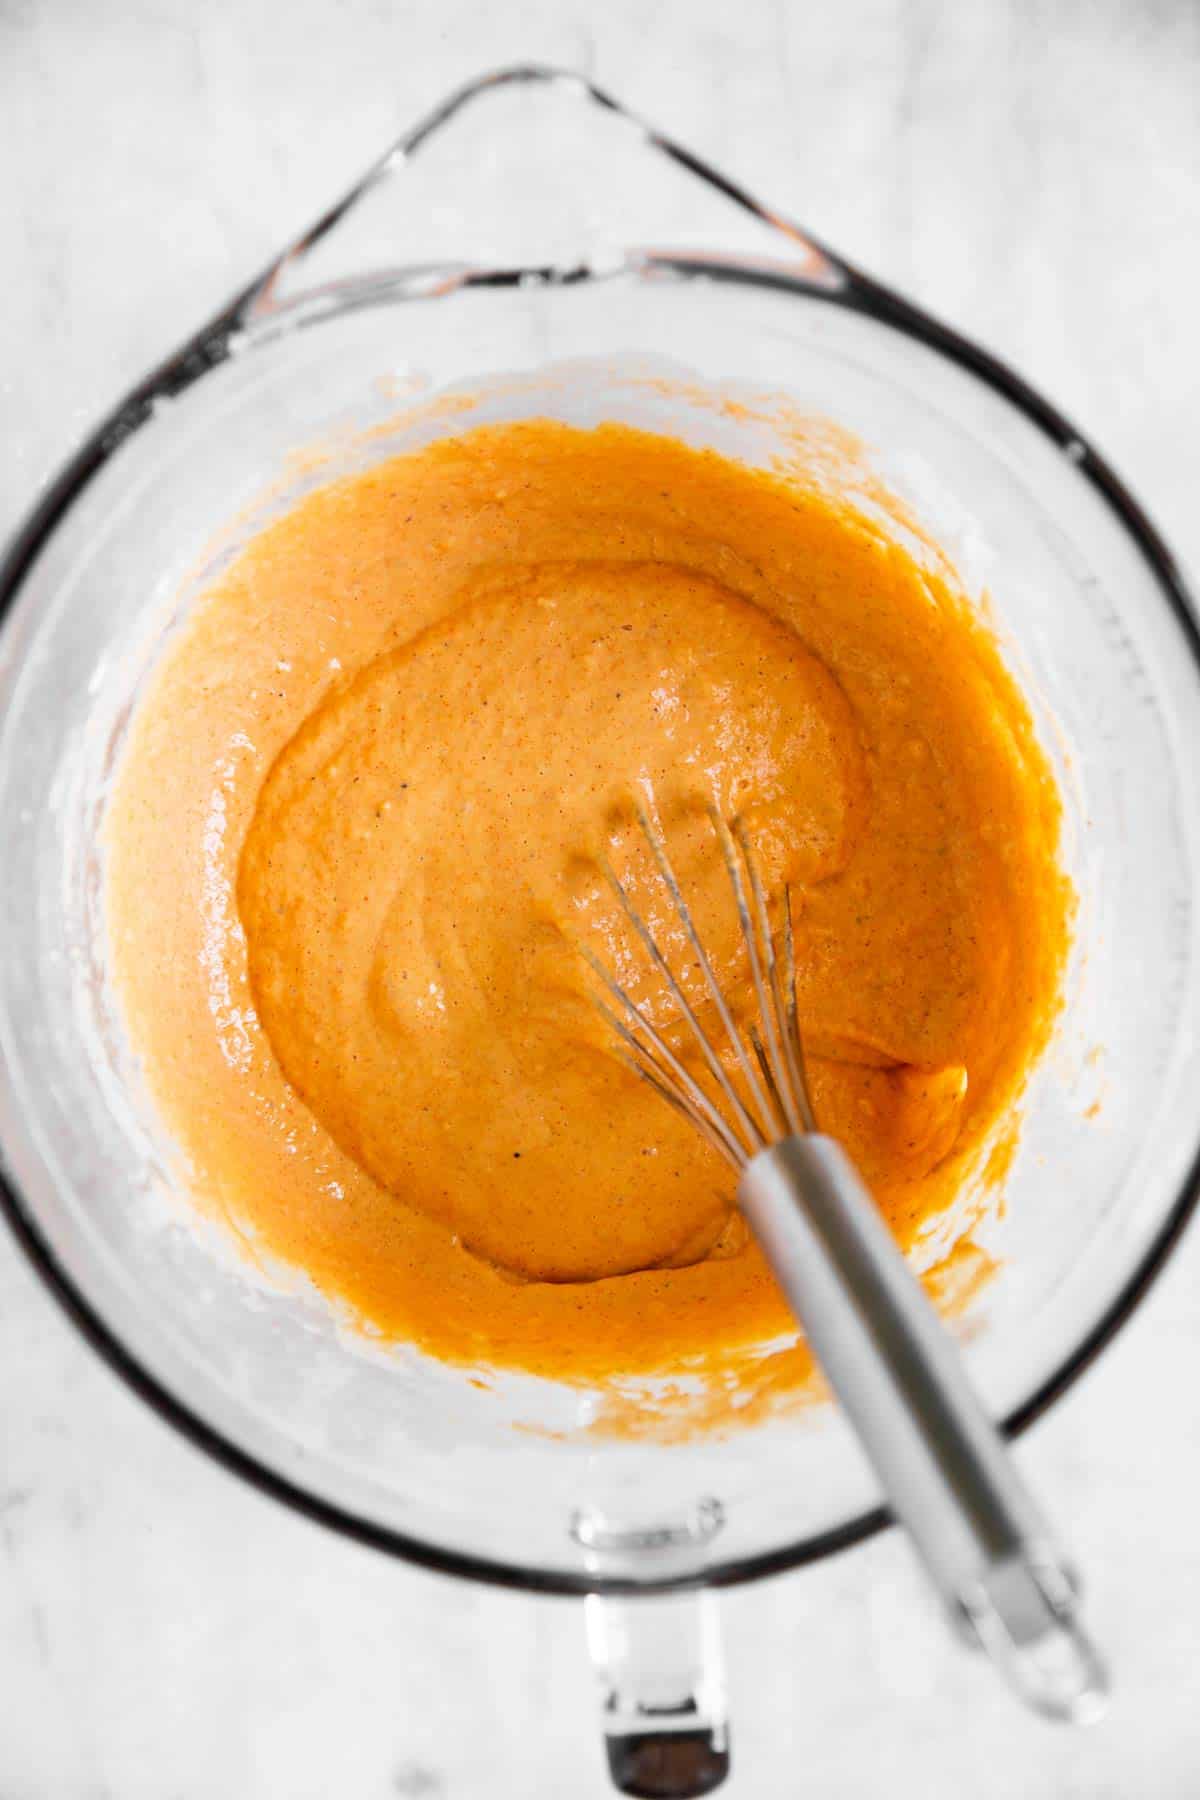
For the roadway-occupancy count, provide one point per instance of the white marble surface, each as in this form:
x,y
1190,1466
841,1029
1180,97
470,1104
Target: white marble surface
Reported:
x,y
1031,170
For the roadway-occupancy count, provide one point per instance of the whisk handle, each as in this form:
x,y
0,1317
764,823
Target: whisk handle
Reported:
x,y
945,1468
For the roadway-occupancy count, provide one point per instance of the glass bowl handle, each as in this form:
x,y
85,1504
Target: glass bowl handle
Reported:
x,y
657,1655
662,1691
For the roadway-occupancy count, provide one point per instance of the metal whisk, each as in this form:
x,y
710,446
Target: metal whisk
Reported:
x,y
895,1370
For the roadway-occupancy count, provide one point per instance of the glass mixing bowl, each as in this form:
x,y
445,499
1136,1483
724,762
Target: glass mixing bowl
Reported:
x,y
517,204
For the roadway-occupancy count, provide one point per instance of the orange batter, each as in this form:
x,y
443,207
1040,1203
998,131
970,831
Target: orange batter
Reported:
x,y
354,846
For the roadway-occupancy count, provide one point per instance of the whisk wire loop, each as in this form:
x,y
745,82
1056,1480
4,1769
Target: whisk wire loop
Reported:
x,y
776,1103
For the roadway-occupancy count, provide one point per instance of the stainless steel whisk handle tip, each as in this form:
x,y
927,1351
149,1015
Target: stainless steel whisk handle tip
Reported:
x,y
945,1468
1059,1673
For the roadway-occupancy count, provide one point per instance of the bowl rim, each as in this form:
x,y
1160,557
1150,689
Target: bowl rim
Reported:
x,y
854,291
